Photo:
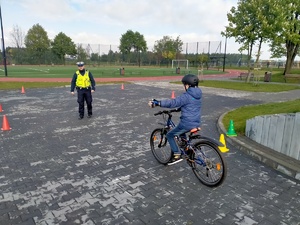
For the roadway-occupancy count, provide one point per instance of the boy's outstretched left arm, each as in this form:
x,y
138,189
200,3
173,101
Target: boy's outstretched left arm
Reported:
x,y
153,103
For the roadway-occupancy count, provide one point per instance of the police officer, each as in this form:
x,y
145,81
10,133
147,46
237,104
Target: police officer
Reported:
x,y
84,82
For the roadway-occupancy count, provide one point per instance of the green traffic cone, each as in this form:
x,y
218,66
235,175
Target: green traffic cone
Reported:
x,y
231,131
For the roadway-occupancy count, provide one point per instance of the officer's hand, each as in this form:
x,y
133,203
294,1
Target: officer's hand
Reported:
x,y
72,92
153,103
92,91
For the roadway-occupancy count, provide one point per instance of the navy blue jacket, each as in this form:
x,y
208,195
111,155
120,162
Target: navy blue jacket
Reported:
x,y
190,104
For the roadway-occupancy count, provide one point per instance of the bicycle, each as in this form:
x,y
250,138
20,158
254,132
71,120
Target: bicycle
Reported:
x,y
201,153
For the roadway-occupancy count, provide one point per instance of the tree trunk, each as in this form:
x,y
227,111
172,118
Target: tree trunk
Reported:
x,y
62,58
291,53
249,59
258,52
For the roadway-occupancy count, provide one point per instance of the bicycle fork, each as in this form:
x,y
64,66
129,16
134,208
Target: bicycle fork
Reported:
x,y
162,142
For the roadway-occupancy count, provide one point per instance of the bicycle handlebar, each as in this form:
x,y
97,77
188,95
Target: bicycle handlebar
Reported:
x,y
167,111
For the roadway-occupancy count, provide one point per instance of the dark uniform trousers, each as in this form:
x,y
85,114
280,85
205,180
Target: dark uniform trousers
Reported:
x,y
84,94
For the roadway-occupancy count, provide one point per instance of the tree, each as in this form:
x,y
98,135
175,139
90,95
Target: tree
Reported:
x,y
203,59
168,48
273,21
95,57
246,26
133,41
81,53
37,41
17,36
62,45
286,31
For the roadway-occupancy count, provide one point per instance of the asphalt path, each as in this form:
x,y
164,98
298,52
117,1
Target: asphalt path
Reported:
x,y
56,169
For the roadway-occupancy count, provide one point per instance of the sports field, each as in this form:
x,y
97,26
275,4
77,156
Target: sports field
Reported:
x,y
36,71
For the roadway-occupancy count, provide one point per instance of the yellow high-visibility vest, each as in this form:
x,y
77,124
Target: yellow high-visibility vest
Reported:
x,y
83,81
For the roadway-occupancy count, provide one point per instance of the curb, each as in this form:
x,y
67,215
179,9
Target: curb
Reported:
x,y
278,161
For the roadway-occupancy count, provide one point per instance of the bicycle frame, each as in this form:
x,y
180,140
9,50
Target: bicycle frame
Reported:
x,y
170,124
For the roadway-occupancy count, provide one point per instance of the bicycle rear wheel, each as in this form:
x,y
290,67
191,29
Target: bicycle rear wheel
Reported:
x,y
159,146
208,164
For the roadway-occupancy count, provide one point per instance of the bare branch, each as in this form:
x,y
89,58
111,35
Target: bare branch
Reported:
x,y
17,36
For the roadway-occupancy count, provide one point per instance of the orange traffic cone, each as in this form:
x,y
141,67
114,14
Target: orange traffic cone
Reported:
x,y
122,86
1,108
173,95
5,124
23,90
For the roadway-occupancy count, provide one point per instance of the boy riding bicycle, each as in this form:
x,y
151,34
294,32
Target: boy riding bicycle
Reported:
x,y
190,104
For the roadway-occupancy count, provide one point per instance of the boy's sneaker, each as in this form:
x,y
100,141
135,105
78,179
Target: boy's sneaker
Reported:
x,y
175,159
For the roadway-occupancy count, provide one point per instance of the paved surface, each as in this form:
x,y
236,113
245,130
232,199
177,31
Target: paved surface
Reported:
x,y
55,169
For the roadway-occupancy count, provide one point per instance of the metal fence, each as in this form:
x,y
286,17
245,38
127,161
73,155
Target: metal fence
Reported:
x,y
110,54
188,48
279,132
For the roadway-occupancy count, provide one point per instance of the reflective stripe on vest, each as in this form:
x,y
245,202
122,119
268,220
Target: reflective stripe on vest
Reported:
x,y
83,81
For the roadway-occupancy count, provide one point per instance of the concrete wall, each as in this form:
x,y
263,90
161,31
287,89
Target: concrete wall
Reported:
x,y
280,132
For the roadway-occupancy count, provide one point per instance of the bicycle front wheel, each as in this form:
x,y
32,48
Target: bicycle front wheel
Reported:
x,y
159,146
208,164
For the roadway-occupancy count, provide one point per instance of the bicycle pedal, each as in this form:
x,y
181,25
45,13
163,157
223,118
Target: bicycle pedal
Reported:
x,y
185,157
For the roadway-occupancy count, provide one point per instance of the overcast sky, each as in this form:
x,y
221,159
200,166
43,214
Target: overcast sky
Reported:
x,y
104,21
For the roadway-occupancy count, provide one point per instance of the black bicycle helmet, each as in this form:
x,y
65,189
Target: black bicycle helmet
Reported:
x,y
191,80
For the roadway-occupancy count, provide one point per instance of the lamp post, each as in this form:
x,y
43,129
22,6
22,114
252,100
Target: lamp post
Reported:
x,y
3,46
139,58
225,53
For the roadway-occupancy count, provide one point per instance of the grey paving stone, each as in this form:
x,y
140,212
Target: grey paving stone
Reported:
x,y
101,171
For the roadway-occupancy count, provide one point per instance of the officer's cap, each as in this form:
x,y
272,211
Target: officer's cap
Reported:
x,y
80,63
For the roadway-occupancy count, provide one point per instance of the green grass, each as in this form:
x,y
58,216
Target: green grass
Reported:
x,y
18,85
36,71
240,115
243,86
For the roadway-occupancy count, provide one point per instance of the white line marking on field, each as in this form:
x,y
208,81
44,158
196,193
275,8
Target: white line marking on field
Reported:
x,y
46,71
